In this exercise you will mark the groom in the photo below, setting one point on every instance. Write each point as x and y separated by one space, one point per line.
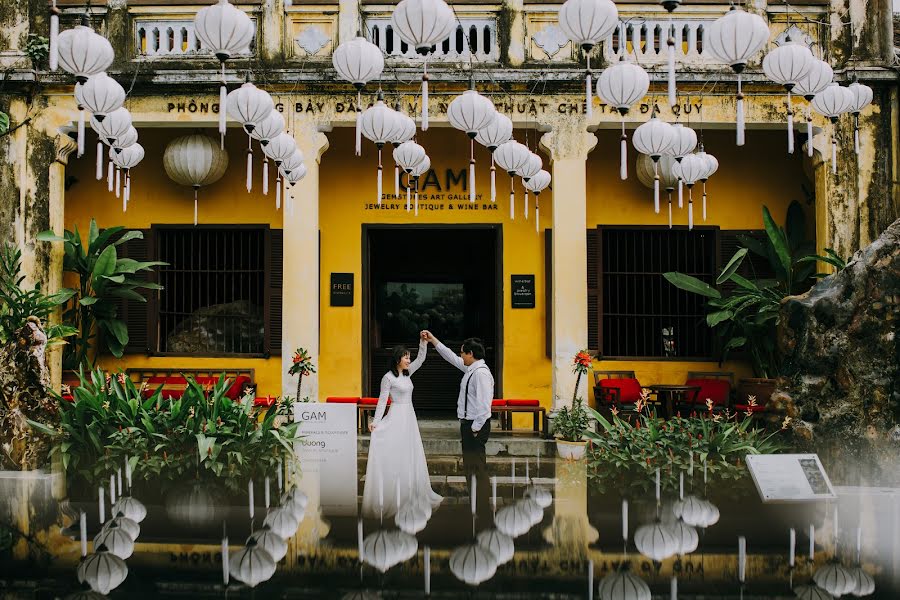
473 405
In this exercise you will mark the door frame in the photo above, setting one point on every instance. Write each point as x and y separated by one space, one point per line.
367 286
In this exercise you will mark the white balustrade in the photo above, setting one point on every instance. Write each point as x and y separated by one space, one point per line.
645 40
472 37
172 38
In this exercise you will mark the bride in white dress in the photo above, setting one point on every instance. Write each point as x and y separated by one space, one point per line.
396 472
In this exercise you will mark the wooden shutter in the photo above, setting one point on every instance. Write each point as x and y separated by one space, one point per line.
593 290
548 291
136 314
275 277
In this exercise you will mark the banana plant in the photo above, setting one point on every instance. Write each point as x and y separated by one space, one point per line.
104 280
746 317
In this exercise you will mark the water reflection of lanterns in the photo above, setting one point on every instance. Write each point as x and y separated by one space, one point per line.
252 564
656 541
271 542
623 585
380 550
127 525
686 537
116 540
132 508
540 495
86 593
412 517
513 520
296 501
102 570
500 545
192 506
811 592
473 564
696 512
282 522
835 579
534 510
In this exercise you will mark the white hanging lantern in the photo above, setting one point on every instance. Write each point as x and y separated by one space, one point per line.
279 149
811 592
406 156
271 542
835 579
358 61
195 160
690 170
125 524
291 179
294 161
656 541
654 138
125 160
100 94
787 64
83 52
252 564
684 142
249 105
499 544
379 123
712 165
405 131
473 564
265 130
423 24
225 31
668 180
536 184
417 171
862 97
295 499
817 79
114 124
587 23
126 140
511 156
535 512
531 167
103 571
117 541
497 132
132 508
734 39
832 102
469 112
623 585
621 86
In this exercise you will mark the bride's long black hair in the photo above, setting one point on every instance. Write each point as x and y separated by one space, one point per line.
399 352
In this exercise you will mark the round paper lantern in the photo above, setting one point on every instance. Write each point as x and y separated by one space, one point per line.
282 522
295 497
473 564
499 544
114 124
83 52
537 184
100 94
497 132
862 97
787 64
513 520
811 592
587 23
125 524
407 545
405 132
417 171
654 138
712 513
621 86
268 128
249 105
252 564
835 579
195 160
530 168
86 593
423 24
511 156
225 31
116 540
127 139
271 542
712 165
656 541
406 156
734 39
469 112
535 512
358 61
130 507
379 123
832 102
102 570
294 161
668 180
691 169
817 79
539 494
125 160
623 585
279 149
684 141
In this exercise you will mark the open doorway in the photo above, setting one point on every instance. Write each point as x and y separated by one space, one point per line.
444 278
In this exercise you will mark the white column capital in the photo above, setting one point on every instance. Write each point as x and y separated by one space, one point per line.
65 146
568 139
310 138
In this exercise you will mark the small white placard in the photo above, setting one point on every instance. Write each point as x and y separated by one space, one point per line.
327 455
789 477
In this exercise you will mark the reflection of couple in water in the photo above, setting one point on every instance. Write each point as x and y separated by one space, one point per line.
396 463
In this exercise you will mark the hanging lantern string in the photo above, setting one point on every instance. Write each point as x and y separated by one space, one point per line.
80 130
99 159
277 188
834 145
407 193
196 187
417 196
740 113
656 184
54 37
690 206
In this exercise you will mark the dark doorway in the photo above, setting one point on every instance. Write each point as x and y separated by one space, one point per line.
441 278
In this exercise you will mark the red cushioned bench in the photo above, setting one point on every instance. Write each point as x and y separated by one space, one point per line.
364 407
619 389
715 386
174 381
504 408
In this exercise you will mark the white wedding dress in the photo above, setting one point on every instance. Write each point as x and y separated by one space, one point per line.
396 471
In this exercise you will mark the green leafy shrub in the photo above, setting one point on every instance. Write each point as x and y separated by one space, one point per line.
569 424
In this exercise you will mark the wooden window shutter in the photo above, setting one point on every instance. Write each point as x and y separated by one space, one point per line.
274 302
136 314
548 291
593 289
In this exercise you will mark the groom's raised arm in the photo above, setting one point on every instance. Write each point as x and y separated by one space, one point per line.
449 355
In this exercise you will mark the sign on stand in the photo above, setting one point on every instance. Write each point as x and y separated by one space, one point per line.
327 455
789 477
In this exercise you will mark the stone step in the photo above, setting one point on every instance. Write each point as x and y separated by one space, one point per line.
455 487
519 446
501 466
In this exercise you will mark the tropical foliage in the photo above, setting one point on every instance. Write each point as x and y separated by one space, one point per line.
104 280
17 303
746 317
301 364
112 421
4 122
569 424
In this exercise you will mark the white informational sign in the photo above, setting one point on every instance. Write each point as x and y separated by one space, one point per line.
789 477
327 455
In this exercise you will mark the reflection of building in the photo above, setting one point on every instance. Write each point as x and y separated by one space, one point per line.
251 283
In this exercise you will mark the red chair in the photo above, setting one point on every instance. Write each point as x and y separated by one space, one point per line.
506 407
619 389
714 385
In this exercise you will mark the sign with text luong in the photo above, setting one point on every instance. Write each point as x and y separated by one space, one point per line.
327 455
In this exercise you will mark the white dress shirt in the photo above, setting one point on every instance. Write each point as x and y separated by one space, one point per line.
481 389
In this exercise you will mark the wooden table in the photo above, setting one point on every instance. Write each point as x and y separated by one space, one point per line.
667 394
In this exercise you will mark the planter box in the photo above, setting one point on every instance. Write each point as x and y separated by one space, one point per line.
570 450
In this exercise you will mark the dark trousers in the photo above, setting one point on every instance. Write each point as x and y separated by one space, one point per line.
475 463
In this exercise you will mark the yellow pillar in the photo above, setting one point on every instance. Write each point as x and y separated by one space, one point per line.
300 289
568 144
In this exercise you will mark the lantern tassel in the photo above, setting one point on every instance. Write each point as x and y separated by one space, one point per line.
225 571
396 180
278 191
680 193
195 205
249 169
358 123
127 200
740 114
54 38
856 133
472 193
109 176
690 209
99 160
416 212
118 182
537 215
512 203
493 181
265 176
223 100
833 155
407 198
809 132
673 588
673 100
125 208
623 155
656 187
704 201
670 210
380 169
425 98
526 204
790 126
589 101
80 132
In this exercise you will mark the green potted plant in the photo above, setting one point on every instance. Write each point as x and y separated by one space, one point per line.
301 364
569 427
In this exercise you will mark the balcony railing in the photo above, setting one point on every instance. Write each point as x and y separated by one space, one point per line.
646 40
475 38
174 38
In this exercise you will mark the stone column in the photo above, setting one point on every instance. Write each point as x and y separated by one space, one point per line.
271 30
348 22
300 291
568 144
513 17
